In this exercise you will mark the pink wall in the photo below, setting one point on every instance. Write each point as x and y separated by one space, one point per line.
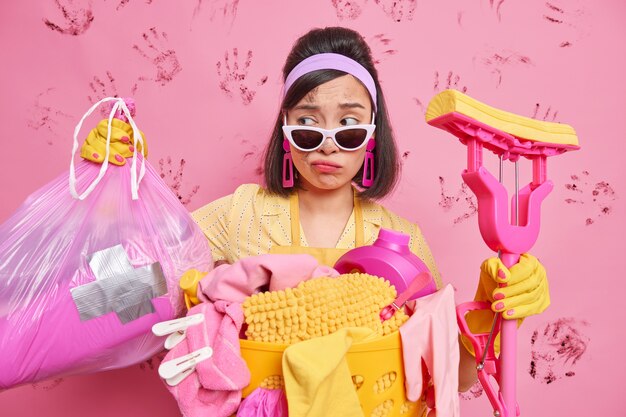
207 122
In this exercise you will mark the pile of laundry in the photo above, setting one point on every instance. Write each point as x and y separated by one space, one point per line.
317 314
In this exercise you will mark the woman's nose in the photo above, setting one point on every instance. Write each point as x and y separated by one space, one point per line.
329 146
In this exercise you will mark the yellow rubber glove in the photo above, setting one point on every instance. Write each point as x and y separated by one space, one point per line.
121 146
526 293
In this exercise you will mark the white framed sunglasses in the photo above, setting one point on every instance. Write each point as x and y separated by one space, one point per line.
310 138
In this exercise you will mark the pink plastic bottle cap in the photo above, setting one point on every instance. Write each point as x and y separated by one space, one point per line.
395 241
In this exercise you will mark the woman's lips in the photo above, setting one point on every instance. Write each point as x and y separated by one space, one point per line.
325 167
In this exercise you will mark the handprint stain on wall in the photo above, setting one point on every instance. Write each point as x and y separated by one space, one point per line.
105 87
156 51
381 49
451 80
443 82
556 15
101 89
224 9
234 78
174 179
76 19
497 62
348 9
404 156
45 118
463 199
459 18
123 3
253 152
496 5
398 10
419 105
597 196
548 115
556 348
571 17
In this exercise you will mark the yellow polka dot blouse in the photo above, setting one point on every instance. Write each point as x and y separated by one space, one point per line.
251 221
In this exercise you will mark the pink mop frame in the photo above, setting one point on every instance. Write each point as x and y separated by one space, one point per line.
501 236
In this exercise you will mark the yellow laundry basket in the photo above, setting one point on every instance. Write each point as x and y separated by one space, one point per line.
376 367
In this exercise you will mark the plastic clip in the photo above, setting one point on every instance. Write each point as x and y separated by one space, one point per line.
174 371
176 329
421 281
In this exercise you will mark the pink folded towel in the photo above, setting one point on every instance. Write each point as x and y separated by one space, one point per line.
237 281
214 389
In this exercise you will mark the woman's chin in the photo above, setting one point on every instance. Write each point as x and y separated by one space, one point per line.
323 184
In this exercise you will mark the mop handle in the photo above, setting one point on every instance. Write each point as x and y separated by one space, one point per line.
508 328
508 353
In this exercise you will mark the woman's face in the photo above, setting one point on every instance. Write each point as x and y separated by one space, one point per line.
343 101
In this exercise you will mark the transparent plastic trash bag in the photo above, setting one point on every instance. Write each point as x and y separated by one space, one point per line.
82 281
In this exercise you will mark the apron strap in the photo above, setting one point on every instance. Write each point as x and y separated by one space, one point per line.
294 213
358 223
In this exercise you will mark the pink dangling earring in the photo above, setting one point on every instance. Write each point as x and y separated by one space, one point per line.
287 166
368 164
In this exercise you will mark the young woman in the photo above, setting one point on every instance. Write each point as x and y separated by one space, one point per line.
330 156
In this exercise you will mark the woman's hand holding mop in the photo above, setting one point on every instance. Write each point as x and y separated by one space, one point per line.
518 292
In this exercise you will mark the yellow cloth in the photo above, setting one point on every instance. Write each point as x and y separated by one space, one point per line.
318 382
251 222
94 147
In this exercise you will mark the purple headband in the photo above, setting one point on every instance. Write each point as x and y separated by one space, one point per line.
336 62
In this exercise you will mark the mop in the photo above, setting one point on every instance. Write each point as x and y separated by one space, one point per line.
509 136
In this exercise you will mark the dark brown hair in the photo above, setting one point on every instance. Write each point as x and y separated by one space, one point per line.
351 44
